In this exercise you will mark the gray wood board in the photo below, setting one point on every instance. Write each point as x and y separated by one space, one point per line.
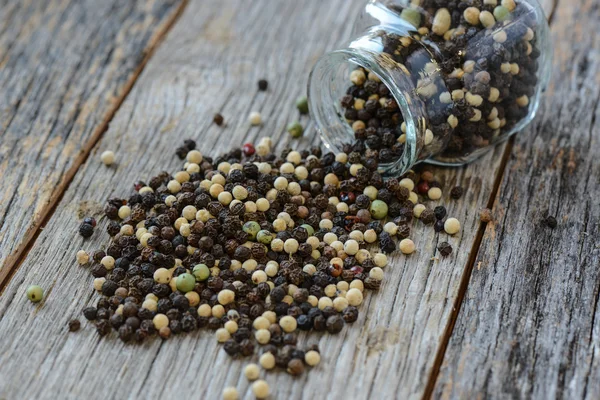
64 68
210 62
528 327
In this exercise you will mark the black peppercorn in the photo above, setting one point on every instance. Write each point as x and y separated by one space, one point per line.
103 327
231 347
74 325
86 230
550 222
334 324
440 212
456 192
246 347
295 367
90 313
445 249
125 333
263 85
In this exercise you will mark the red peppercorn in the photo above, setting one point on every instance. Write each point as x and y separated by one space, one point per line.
356 269
335 270
423 187
248 149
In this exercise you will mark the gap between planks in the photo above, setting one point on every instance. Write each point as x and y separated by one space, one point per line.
466 277
14 261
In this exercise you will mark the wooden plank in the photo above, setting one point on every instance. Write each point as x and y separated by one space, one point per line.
528 327
65 66
210 62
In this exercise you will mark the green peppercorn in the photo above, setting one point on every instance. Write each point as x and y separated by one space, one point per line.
295 129
501 13
201 272
185 282
379 209
302 105
264 236
309 229
251 228
35 293
412 16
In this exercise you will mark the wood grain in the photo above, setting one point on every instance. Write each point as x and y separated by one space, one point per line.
65 66
528 327
211 62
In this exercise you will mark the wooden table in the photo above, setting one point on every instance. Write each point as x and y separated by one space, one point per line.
511 314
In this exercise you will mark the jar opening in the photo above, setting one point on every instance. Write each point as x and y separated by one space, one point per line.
328 83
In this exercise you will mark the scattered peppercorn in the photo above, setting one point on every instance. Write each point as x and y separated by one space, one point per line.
253 246
445 249
550 222
263 85
255 118
248 149
302 105
456 192
485 215
295 129
218 119
74 325
261 389
252 372
86 230
35 293
230 393
107 157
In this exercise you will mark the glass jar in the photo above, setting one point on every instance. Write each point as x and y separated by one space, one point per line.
424 82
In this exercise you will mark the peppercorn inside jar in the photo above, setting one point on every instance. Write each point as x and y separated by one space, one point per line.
430 80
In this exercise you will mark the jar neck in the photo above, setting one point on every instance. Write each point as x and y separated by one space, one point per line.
329 80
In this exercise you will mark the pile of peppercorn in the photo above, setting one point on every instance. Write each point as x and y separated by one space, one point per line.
473 64
256 247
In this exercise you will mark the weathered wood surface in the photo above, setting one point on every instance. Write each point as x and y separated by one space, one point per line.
64 68
528 327
210 62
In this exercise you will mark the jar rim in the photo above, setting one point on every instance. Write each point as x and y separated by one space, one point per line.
401 88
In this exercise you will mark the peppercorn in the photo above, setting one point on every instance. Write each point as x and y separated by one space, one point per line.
246 348
302 104
452 226
295 367
427 217
445 249
35 293
218 119
86 230
103 327
485 215
550 222
263 85
295 129
335 323
107 157
74 325
90 313
252 372
456 192
255 119
230 393
261 389
440 212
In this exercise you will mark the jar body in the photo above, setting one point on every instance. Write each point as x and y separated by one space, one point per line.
428 83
